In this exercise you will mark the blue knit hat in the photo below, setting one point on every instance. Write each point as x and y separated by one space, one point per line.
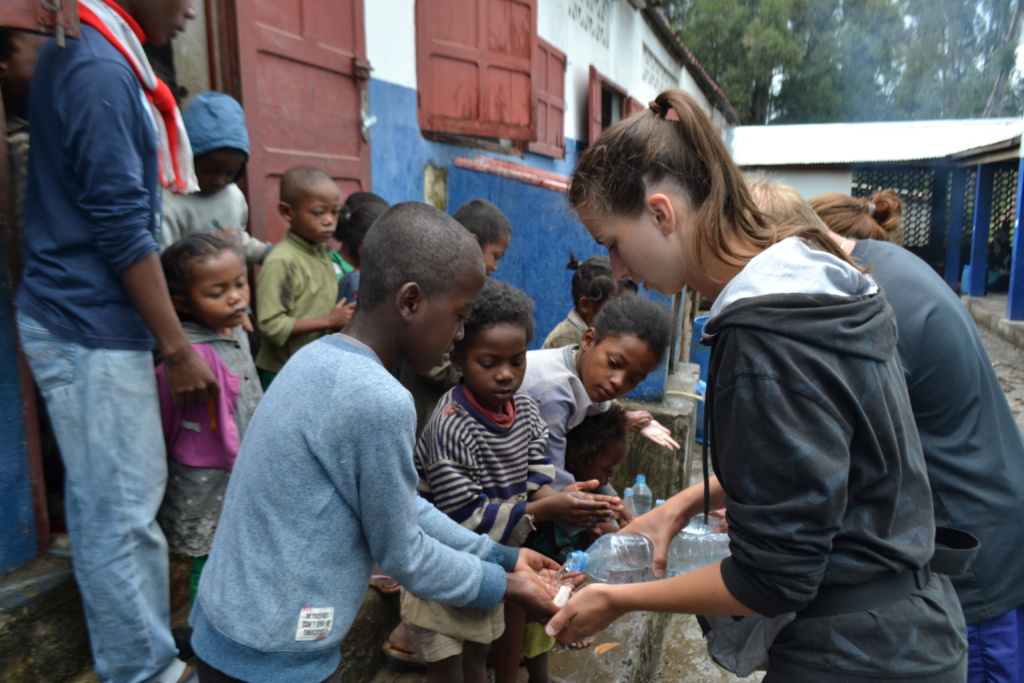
215 120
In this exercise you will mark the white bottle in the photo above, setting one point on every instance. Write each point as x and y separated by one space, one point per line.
642 496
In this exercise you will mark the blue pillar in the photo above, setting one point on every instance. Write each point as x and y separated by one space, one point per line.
957 199
1015 301
979 232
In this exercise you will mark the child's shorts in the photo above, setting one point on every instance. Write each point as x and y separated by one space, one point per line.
437 631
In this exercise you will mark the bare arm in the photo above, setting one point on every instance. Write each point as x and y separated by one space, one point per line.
665 521
700 592
188 376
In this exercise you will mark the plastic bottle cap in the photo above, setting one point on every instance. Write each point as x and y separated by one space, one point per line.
641 479
576 561
659 502
628 492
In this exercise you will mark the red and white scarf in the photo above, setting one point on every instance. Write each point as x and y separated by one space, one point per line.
124 33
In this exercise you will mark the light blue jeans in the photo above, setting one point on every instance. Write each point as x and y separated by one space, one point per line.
106 417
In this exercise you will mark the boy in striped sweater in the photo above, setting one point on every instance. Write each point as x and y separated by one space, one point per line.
481 461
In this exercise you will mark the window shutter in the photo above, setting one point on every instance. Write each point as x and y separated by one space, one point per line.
634 105
594 105
595 99
475 67
550 107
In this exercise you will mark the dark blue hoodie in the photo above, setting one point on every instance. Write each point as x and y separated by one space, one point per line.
93 204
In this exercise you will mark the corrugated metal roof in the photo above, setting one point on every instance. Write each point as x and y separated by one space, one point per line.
847 143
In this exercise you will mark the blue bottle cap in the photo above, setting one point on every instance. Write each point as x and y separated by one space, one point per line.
641 479
659 502
627 491
576 561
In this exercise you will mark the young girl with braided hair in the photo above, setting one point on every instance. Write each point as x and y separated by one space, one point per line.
593 286
811 433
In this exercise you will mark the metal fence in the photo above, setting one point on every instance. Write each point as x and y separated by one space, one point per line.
927 192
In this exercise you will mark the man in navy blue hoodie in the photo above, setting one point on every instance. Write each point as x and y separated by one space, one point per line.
92 306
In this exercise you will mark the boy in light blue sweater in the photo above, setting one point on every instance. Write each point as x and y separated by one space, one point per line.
324 484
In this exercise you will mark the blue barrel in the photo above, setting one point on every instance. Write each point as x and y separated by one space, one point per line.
701 355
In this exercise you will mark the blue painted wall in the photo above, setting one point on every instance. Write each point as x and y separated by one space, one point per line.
544 228
17 519
399 153
544 231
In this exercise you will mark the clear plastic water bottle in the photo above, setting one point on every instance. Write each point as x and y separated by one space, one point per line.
696 546
627 499
642 496
614 558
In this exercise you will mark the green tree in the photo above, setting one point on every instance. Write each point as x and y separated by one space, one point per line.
852 50
745 44
798 61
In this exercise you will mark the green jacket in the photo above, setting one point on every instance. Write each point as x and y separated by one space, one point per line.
296 282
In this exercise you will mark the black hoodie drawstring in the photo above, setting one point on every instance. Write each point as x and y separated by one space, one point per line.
705 446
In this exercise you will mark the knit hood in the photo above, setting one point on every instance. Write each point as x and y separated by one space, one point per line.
800 292
215 120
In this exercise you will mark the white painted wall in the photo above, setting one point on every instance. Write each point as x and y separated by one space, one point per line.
391 40
810 182
561 23
391 48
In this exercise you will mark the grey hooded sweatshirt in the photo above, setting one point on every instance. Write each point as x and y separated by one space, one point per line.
814 443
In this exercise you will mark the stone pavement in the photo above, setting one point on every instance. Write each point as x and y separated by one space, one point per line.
1004 341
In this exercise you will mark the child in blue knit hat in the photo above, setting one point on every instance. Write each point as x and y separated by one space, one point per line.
220 143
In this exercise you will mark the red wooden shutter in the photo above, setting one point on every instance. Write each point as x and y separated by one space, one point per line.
594 106
550 106
303 81
474 66
633 105
598 84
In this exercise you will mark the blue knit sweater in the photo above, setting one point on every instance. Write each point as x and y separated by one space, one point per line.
324 486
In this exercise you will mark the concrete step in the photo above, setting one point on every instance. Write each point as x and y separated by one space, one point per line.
42 627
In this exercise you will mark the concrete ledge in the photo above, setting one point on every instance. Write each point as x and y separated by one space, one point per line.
990 312
667 473
42 627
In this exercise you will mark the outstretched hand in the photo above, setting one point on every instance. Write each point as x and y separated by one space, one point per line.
589 611
655 432
531 560
589 510
531 592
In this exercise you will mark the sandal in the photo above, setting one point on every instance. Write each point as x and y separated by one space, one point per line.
384 584
402 656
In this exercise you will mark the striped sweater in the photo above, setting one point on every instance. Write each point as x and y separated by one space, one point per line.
479 473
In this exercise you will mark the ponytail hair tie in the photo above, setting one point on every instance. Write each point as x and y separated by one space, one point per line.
871 209
657 108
